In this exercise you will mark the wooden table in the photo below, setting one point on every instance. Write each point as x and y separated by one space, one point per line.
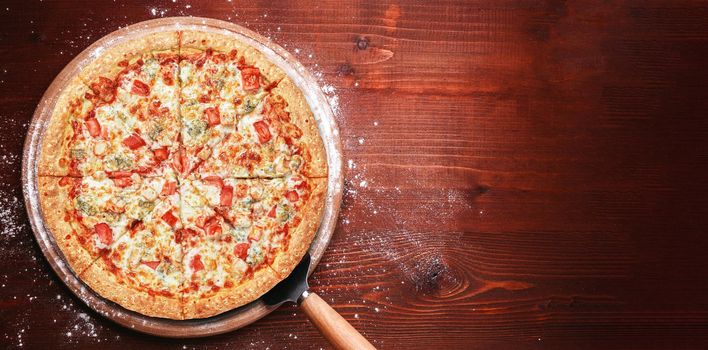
522 174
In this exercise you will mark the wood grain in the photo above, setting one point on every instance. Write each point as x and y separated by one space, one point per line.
525 174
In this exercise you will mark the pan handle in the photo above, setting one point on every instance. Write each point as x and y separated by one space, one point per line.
331 324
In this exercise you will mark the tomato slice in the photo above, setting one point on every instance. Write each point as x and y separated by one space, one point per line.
66 181
94 128
104 232
214 180
241 190
137 225
170 218
286 230
241 250
271 213
213 117
140 88
134 141
211 221
301 185
184 234
167 78
113 174
200 59
272 85
213 229
292 196
151 264
105 88
122 181
262 130
161 154
169 188
180 161
196 263
177 161
251 77
227 194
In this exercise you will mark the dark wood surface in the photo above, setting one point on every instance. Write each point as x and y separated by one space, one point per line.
525 174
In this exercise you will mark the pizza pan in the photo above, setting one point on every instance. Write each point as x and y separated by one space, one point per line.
227 321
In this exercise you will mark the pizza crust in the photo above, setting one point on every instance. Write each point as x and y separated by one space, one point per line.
303 118
54 202
106 65
229 298
200 41
301 237
58 133
99 277
196 41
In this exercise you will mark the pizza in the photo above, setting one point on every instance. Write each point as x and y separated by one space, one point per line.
182 174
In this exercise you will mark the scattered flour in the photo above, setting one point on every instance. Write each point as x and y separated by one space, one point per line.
158 12
12 220
328 89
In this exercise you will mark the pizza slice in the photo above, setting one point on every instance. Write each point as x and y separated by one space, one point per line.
142 270
86 136
277 216
149 90
139 82
274 139
233 125
221 271
87 215
207 119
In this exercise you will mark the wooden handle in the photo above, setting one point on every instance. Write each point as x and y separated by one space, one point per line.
332 325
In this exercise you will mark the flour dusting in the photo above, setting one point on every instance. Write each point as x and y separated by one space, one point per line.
12 221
